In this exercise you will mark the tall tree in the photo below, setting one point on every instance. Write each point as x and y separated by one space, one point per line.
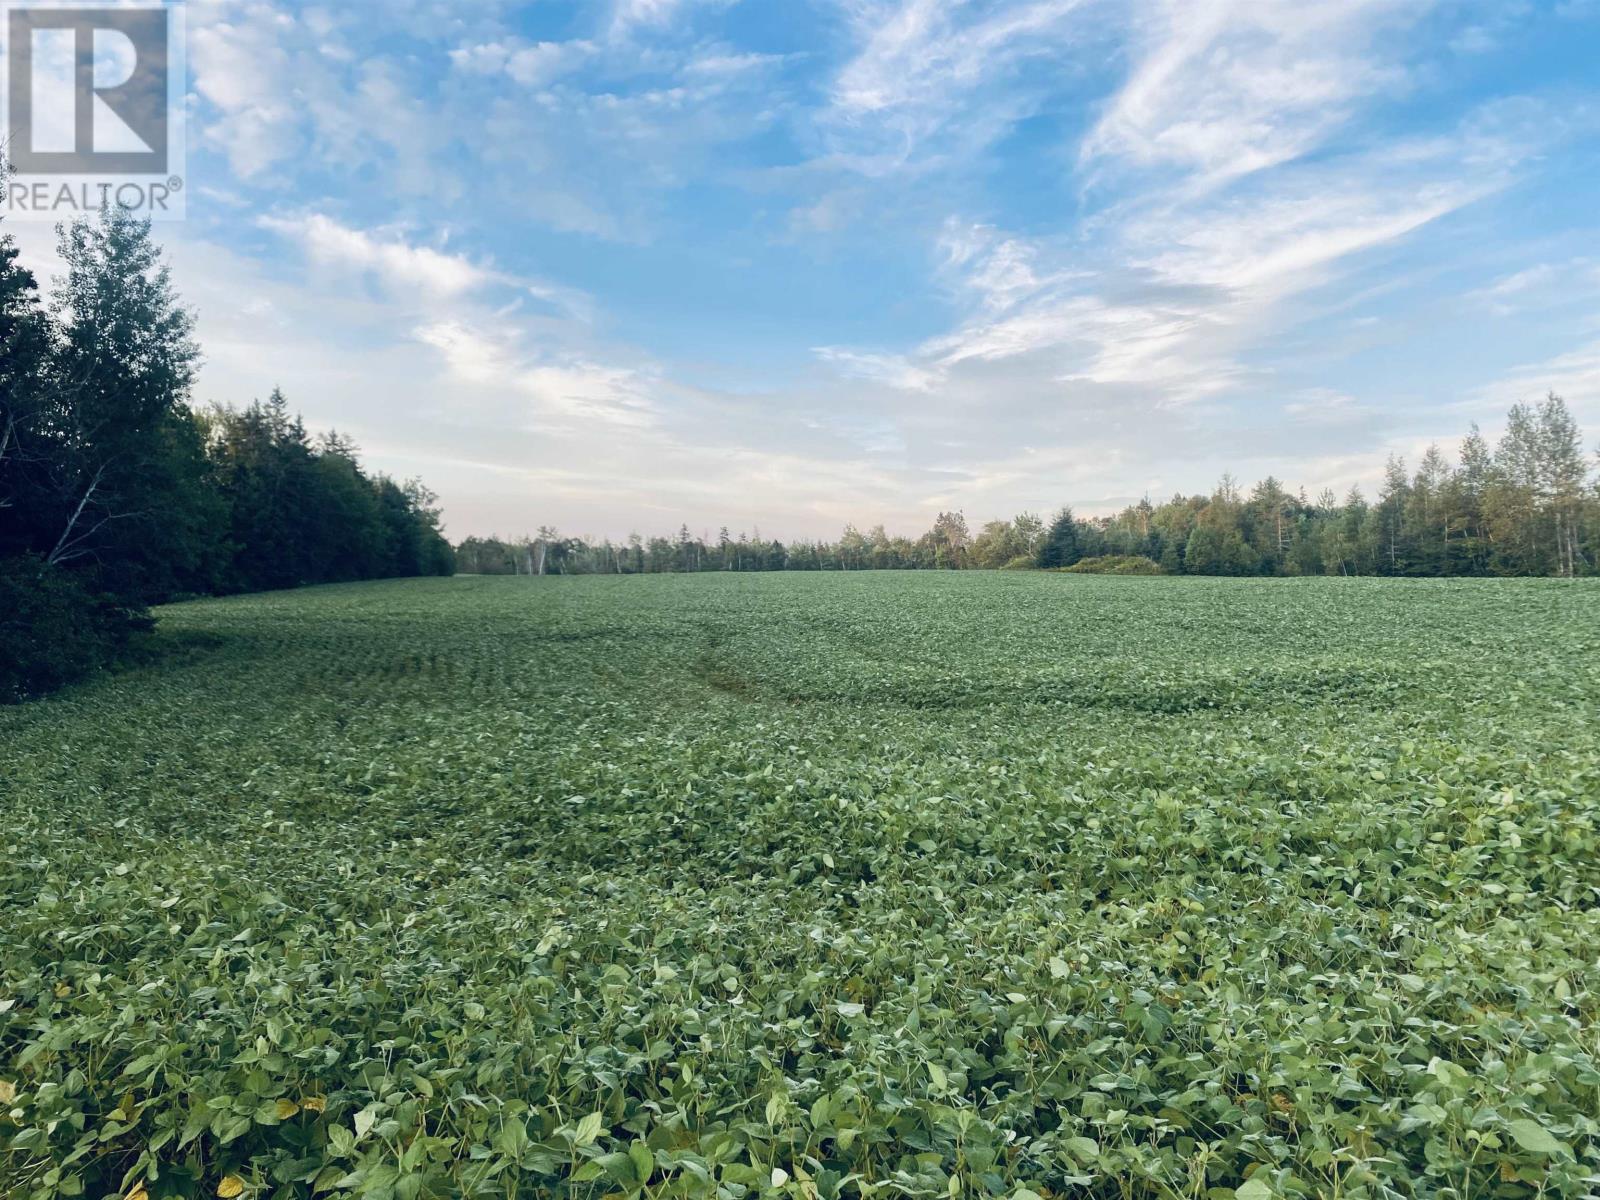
1272 524
28 419
1060 546
1562 476
133 475
949 540
1427 521
1391 515
1468 487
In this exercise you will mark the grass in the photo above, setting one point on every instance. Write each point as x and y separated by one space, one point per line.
817 885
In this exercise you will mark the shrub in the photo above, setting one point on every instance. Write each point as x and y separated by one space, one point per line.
1116 564
53 629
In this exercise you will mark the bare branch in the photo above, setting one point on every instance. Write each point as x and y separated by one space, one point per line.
67 539
6 438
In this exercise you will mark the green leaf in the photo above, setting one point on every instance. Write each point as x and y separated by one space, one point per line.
619 1167
1535 1138
588 1130
821 1110
512 1140
644 1162
1255 1188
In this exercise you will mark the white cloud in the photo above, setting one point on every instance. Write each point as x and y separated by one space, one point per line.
532 65
1278 244
631 13
1224 88
1159 330
1166 297
397 263
936 81
1573 375
631 17
281 87
1326 406
592 391
470 354
719 62
240 60
1475 39
1180 295
919 54
1545 285
895 370
1504 295
564 386
422 276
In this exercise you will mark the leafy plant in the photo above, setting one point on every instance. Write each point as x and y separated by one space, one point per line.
1116 564
818 886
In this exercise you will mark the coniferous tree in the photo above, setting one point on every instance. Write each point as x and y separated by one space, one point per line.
26 398
1060 547
1390 517
115 494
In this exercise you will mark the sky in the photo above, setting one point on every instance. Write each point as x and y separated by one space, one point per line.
780 265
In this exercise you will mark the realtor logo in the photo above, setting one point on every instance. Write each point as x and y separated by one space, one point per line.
94 107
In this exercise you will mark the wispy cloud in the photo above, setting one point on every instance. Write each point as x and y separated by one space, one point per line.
1174 296
562 386
923 54
533 65
1224 88
423 275
895 370
396 262
1573 374
940 80
873 256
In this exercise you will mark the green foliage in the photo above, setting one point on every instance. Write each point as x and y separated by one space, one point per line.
306 513
815 886
1060 546
53 630
1116 564
115 494
1529 507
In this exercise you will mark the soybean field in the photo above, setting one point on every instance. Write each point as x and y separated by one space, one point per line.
818 886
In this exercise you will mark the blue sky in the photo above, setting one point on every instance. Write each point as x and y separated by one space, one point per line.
633 263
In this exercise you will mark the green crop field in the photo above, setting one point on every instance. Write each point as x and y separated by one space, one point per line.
824 886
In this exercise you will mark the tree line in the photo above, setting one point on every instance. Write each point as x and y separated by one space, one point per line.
116 494
1529 505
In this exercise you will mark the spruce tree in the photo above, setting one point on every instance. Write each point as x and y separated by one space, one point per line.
1060 547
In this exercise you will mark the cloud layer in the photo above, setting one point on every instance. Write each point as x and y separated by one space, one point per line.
662 261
